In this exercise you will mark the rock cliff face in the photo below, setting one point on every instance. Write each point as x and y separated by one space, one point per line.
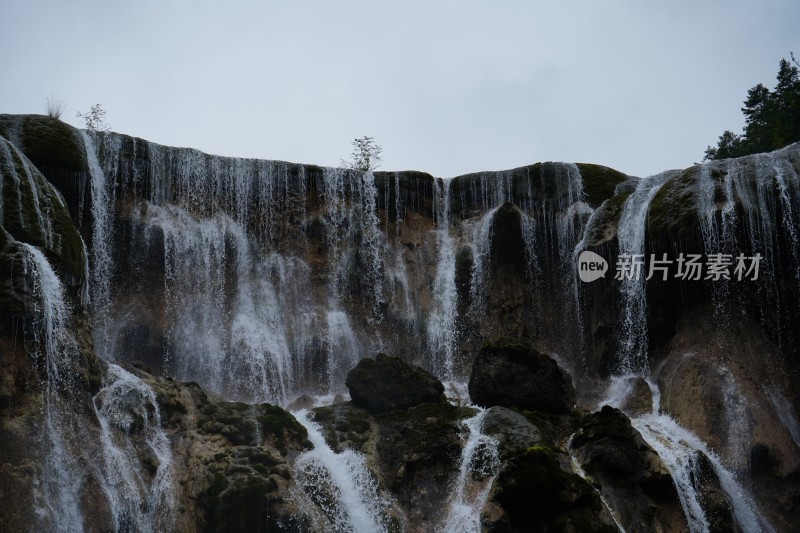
144 370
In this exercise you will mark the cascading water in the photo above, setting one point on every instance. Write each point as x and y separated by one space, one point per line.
341 485
630 235
750 205
442 333
274 277
481 247
60 481
248 322
479 465
130 423
680 449
100 258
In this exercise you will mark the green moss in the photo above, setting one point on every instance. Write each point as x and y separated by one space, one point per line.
673 210
599 182
242 505
52 144
606 220
538 495
21 220
344 425
281 428
426 435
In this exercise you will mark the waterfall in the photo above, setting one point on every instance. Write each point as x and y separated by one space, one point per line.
630 235
786 413
231 329
100 281
750 205
343 349
130 423
60 481
14 164
679 449
341 485
479 465
442 332
481 248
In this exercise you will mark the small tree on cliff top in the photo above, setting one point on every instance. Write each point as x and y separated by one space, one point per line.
95 118
366 155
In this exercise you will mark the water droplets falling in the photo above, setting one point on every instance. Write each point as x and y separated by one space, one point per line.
341 485
478 467
130 425
631 236
680 450
58 498
442 332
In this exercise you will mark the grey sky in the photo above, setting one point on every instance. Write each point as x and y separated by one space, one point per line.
446 87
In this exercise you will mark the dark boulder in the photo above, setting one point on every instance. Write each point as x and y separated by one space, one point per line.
512 374
389 383
632 476
537 494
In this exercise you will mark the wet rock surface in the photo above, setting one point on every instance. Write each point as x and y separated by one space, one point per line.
388 383
511 374
631 474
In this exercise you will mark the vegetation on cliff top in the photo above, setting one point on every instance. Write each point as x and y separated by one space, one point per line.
772 118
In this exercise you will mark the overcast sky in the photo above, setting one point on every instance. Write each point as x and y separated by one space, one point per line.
446 87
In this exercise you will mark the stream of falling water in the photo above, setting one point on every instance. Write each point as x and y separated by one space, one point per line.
59 485
478 468
130 424
630 235
679 448
442 333
341 485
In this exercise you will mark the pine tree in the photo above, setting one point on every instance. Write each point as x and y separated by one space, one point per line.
772 118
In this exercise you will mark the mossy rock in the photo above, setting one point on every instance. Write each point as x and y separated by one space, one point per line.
388 383
280 428
417 452
538 495
20 219
344 425
605 222
510 373
424 437
52 144
673 211
241 504
599 182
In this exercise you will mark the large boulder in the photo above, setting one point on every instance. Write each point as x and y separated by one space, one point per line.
632 476
389 383
536 494
512 374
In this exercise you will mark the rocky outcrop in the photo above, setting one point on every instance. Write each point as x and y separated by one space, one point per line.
510 374
536 494
231 461
629 472
389 383
47 362
413 452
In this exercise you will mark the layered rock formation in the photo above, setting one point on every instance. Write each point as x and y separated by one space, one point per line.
262 281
